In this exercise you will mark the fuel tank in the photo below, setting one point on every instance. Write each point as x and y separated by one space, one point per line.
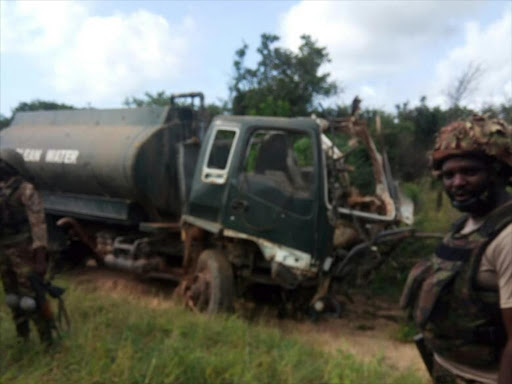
121 156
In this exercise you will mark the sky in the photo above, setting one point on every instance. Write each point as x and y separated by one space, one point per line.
97 53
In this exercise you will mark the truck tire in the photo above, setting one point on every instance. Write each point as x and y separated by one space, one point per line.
211 287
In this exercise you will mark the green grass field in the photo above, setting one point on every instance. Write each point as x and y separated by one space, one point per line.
124 341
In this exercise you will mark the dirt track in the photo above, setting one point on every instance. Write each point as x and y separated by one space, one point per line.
364 328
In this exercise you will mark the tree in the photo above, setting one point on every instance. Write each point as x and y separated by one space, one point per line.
4 121
283 83
413 135
40 105
34 105
464 85
163 99
502 111
159 99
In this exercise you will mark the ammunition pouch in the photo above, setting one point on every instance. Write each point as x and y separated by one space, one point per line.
28 304
25 303
12 300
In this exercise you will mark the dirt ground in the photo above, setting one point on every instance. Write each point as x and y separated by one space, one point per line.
365 328
365 338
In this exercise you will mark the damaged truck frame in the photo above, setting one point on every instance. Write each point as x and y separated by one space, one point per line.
249 201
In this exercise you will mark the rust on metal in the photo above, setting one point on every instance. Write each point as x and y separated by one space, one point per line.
193 239
381 203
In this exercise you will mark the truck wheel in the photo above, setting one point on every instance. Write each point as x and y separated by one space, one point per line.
210 289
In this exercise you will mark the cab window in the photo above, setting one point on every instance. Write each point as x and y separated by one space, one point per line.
279 169
219 156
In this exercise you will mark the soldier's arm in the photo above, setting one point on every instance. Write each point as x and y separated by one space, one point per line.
501 250
35 213
505 376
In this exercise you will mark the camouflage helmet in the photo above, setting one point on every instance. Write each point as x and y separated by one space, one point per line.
14 160
478 136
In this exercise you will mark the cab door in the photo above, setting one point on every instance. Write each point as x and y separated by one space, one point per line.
273 196
210 184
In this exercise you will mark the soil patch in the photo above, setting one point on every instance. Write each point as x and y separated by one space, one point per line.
124 285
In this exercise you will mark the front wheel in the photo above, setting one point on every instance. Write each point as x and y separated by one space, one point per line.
210 288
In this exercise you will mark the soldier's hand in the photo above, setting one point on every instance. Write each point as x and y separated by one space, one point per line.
39 257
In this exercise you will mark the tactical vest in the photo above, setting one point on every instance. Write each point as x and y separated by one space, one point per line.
14 224
460 320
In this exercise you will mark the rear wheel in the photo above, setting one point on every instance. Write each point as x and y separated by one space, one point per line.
210 289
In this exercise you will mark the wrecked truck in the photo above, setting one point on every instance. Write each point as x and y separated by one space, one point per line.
248 201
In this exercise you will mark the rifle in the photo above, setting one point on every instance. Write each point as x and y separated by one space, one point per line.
40 288
425 352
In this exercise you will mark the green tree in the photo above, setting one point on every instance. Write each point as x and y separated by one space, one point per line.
283 83
34 105
502 111
163 99
40 105
159 99
413 135
4 121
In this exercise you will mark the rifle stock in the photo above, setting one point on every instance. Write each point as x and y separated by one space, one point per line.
425 352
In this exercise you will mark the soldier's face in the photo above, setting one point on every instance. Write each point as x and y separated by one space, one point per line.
464 178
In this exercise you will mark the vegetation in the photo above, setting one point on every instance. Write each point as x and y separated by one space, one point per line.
34 105
283 83
160 98
287 83
115 340
430 216
4 121
38 105
163 99
121 341
406 332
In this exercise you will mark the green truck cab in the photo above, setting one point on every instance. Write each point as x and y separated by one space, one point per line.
260 210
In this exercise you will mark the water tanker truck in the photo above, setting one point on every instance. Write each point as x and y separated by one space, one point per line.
248 201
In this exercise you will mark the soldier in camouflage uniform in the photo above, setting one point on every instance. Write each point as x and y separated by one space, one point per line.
461 298
23 244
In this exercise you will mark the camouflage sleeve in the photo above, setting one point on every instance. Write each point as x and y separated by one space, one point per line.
35 213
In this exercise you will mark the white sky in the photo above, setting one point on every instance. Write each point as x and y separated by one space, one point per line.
96 53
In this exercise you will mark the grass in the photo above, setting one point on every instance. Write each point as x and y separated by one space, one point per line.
433 211
120 341
405 332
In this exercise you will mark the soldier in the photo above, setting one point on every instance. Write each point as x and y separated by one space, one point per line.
461 298
23 244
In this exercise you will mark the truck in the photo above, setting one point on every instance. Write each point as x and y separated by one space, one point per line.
243 202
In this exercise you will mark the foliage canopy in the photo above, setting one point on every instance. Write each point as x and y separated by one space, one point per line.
283 83
34 105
